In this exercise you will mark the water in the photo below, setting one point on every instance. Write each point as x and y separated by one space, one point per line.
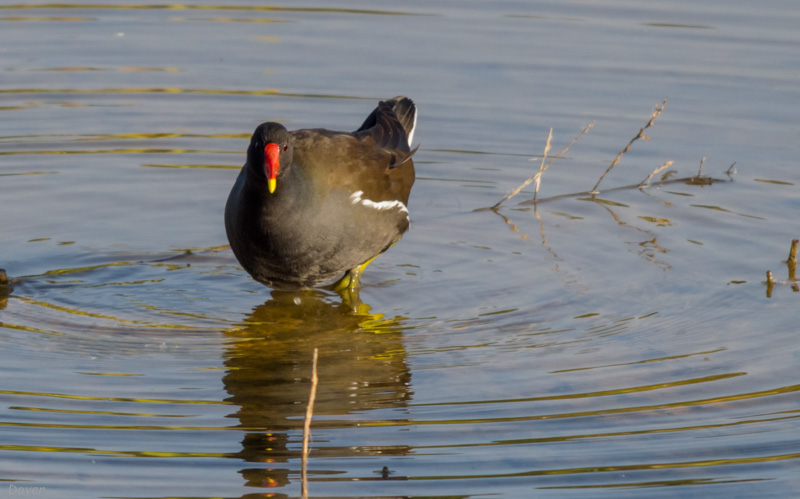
621 346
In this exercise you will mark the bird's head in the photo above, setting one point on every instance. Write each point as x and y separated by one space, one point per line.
270 152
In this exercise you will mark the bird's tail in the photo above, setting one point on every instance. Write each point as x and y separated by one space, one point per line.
405 111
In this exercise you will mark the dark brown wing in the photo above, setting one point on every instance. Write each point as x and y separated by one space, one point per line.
375 159
337 160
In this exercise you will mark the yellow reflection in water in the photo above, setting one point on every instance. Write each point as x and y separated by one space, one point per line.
719 208
89 137
600 412
87 450
111 399
229 19
362 367
626 467
678 25
646 361
134 69
604 201
656 220
776 182
184 6
94 315
29 329
601 393
132 150
25 173
635 467
209 166
72 69
104 413
33 18
174 90
124 69
103 284
565 438
107 374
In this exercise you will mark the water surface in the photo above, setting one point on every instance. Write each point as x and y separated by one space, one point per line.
620 345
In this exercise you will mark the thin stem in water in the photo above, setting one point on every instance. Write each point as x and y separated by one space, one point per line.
627 148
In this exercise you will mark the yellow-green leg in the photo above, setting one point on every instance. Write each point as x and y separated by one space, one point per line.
352 278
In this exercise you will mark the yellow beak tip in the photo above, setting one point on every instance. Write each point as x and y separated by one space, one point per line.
272 184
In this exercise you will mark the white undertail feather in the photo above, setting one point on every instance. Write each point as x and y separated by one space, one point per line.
413 127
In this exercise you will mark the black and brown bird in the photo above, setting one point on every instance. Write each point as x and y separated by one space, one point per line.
311 204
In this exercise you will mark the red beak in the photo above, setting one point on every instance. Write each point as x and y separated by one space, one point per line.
272 161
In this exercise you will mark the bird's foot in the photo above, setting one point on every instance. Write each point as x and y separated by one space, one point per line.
348 286
349 282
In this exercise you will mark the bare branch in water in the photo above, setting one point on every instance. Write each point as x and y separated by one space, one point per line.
793 252
627 148
537 176
534 177
792 261
770 283
644 182
700 170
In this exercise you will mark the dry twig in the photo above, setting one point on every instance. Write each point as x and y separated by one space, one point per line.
638 136
537 176
644 182
770 283
791 263
307 426
700 170
793 252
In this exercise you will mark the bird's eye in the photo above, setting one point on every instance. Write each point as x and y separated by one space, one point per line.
285 147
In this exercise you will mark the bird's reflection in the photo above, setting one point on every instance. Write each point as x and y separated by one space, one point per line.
362 366
6 286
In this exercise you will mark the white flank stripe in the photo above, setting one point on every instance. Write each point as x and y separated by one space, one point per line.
356 198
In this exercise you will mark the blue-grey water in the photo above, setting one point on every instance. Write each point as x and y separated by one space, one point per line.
621 345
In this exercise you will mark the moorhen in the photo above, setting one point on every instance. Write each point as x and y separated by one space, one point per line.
313 203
